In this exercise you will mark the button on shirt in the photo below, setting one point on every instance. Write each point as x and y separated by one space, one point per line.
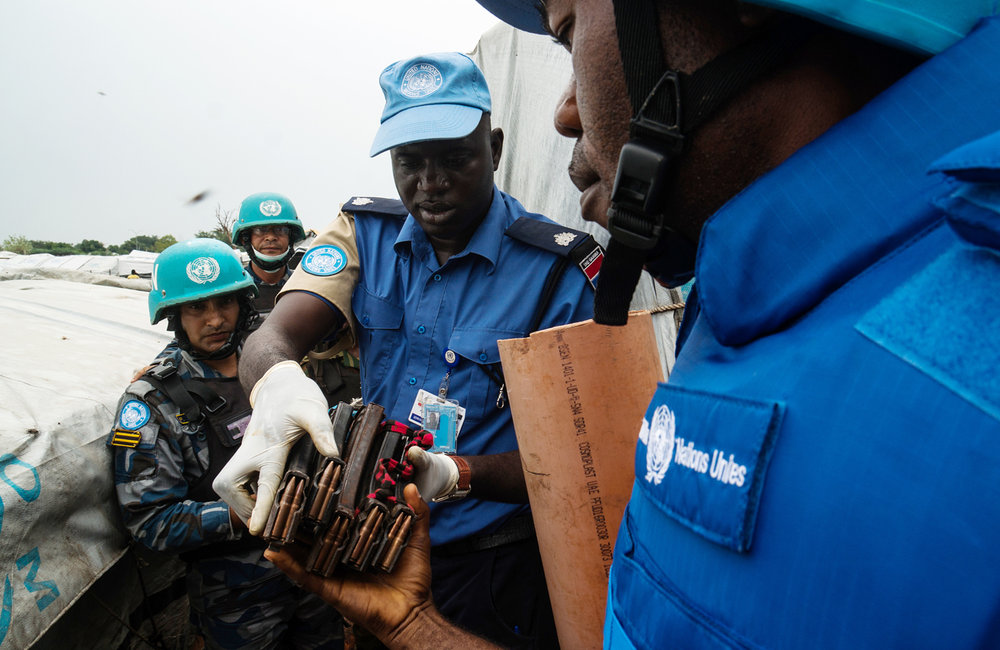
408 309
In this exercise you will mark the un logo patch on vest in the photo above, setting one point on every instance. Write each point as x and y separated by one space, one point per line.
702 459
659 443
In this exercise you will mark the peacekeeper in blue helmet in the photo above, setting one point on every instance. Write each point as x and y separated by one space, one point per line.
268 229
175 428
822 468
427 286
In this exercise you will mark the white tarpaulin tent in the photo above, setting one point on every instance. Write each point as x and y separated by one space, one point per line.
116 265
69 350
139 261
526 74
103 264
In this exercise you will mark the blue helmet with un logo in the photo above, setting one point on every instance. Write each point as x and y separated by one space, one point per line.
194 270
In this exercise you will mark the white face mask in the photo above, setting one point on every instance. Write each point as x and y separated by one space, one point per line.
270 258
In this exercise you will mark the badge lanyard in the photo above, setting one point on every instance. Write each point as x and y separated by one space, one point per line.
441 417
450 360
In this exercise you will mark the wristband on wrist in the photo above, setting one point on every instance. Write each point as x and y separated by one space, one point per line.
462 485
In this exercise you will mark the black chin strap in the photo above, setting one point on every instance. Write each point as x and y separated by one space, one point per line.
668 106
247 322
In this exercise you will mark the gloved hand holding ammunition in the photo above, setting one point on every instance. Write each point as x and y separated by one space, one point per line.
436 475
286 405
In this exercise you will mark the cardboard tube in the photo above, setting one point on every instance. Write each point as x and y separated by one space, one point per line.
578 394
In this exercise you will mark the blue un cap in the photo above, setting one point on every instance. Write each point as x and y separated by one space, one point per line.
431 97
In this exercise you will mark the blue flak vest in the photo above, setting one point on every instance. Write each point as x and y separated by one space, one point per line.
823 468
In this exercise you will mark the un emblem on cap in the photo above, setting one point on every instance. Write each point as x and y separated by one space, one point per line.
270 208
202 270
420 80
324 260
660 444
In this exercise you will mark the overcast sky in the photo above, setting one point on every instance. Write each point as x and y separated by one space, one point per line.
114 113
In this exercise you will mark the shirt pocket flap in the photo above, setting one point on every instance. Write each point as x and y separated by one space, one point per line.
479 345
374 312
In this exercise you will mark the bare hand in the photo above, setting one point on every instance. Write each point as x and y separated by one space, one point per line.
382 603
141 371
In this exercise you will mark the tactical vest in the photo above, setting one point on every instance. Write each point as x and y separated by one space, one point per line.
338 382
266 295
220 409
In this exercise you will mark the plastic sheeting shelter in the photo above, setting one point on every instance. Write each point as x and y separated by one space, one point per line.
120 265
106 265
140 261
69 349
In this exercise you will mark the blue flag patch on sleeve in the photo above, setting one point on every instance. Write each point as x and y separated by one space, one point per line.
133 416
324 260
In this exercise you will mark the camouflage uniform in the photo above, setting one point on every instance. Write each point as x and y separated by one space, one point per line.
238 599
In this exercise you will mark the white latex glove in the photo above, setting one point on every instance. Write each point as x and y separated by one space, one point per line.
286 404
436 475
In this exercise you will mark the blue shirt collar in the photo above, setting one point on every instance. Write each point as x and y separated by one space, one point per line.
839 204
485 241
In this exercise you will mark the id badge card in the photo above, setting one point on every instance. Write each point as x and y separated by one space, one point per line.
445 423
442 420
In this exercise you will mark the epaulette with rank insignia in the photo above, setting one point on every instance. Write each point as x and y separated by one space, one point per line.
570 245
376 205
581 248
